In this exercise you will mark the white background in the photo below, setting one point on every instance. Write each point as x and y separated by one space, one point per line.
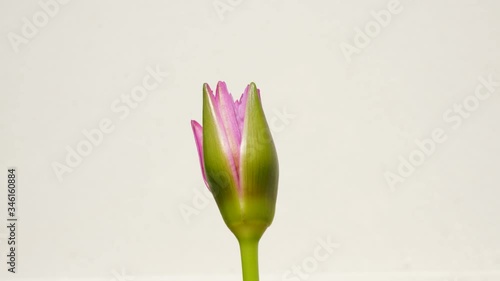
350 119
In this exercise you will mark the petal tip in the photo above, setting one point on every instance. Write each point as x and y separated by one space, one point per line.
221 91
195 124
253 90
206 89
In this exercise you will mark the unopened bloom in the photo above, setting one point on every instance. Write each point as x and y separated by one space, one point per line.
238 159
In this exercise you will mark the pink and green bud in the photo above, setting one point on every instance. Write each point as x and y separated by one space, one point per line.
238 159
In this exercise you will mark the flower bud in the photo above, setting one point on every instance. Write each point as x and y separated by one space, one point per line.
238 159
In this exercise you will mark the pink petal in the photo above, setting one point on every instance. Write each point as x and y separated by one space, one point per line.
241 106
215 102
228 117
198 138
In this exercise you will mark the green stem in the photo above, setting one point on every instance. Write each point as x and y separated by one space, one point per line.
250 258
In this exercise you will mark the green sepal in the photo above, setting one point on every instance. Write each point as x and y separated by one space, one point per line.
259 171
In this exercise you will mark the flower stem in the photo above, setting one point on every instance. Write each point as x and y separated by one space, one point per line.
249 258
